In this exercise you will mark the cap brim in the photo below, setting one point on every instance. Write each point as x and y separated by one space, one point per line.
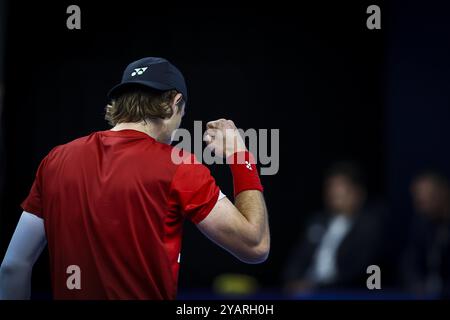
147 84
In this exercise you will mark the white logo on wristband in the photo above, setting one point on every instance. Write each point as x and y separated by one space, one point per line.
248 165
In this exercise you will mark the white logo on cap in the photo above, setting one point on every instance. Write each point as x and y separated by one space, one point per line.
138 71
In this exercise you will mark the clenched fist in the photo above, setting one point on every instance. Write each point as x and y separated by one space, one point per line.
223 137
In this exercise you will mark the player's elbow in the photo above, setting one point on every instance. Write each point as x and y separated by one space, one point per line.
256 254
15 277
6 269
11 266
260 254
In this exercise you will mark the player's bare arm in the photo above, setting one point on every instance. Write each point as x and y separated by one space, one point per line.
242 228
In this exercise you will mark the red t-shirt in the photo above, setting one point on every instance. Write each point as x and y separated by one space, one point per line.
113 204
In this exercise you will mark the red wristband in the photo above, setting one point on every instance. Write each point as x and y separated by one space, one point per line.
244 171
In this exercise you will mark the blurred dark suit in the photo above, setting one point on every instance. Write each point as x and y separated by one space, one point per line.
359 248
426 262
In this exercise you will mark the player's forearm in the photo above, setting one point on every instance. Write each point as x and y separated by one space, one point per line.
249 200
250 229
255 233
15 281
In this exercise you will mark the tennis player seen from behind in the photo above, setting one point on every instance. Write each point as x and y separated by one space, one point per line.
111 205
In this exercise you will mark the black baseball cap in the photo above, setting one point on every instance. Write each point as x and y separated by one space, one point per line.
151 72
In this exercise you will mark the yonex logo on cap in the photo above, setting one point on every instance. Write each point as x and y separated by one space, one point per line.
154 73
138 71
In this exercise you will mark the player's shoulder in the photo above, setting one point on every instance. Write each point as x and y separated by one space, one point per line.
73 144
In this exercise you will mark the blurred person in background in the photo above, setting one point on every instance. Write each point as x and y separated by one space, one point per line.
339 243
426 262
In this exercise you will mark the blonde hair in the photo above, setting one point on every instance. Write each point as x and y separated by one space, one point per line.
138 104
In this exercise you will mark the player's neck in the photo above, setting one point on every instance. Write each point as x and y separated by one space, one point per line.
149 128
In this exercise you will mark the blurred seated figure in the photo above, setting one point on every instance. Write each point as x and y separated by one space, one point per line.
339 243
426 263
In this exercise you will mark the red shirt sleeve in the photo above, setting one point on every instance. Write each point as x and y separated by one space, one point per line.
33 203
194 191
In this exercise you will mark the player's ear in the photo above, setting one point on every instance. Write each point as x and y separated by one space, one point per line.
177 99
178 103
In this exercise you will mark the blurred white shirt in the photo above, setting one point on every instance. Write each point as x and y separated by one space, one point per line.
324 264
